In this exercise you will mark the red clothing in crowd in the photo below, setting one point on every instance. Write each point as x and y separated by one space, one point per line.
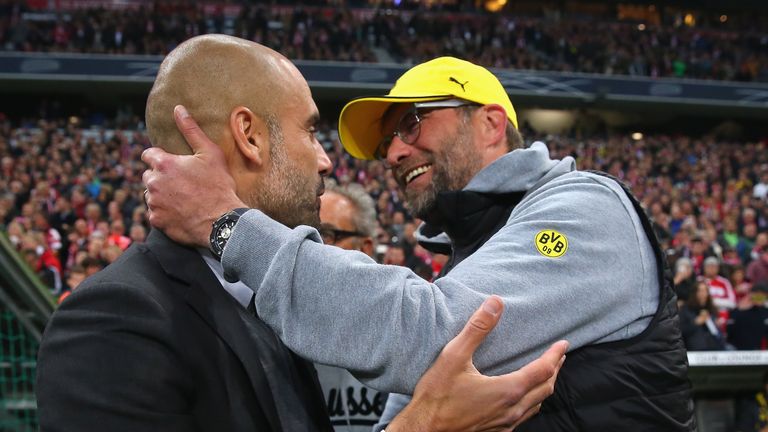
120 240
722 293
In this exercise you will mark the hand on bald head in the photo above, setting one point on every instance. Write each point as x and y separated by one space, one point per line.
212 75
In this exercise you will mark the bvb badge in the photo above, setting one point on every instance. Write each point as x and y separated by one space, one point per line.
551 243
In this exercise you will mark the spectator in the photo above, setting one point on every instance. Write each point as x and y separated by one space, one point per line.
741 287
685 280
42 261
348 218
52 236
75 277
761 241
720 288
697 316
15 233
757 271
697 252
117 234
760 191
395 255
92 265
747 243
748 324
138 233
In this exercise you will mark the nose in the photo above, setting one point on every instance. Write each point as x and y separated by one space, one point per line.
324 165
398 150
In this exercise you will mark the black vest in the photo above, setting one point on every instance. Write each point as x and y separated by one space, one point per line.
637 384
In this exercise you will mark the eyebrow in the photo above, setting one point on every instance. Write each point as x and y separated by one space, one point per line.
388 112
313 120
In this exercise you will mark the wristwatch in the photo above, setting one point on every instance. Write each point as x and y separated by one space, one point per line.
222 230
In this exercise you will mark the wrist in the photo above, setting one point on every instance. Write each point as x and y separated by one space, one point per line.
204 231
410 420
221 230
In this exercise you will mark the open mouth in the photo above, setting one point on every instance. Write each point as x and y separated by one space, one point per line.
413 174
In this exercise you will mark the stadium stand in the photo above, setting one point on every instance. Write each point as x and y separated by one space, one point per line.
640 43
72 196
70 141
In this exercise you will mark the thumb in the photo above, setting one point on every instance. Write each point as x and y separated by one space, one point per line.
480 324
195 137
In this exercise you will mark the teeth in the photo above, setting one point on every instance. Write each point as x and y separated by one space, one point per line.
417 172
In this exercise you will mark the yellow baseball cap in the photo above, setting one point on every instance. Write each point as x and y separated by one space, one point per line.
441 78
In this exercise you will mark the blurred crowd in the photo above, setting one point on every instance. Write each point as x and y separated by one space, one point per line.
602 47
573 44
156 28
708 199
71 201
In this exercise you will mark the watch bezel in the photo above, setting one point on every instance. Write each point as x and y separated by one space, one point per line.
217 242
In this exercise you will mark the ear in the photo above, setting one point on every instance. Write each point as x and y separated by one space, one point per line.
250 134
492 127
367 247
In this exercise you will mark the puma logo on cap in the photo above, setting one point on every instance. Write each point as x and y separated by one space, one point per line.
452 79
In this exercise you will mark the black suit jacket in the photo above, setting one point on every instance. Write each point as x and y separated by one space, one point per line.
154 343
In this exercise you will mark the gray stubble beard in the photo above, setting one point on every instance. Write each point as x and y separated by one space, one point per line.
451 171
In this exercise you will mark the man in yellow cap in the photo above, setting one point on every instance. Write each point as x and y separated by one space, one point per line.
571 253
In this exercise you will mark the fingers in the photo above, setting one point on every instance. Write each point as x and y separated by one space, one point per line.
153 157
528 414
545 366
480 324
188 127
530 403
532 384
147 177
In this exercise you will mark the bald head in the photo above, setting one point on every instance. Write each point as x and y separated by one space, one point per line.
211 75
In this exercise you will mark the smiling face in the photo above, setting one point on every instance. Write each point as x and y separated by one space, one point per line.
443 157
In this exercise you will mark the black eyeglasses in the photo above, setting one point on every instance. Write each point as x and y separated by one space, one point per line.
408 127
332 235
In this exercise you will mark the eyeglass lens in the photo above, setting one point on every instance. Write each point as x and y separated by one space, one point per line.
407 129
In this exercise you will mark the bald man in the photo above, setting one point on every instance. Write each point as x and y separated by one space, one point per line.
162 341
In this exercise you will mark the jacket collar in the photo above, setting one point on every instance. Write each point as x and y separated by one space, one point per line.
462 217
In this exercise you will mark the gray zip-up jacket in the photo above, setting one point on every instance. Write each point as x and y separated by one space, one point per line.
387 325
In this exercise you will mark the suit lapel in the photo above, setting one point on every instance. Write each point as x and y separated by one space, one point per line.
222 313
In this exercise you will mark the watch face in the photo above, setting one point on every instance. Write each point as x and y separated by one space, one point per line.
222 235
222 230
